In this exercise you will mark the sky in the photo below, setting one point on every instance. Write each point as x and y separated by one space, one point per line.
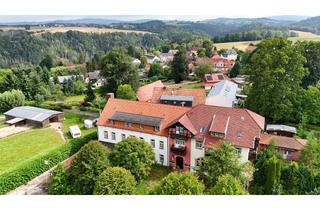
165 9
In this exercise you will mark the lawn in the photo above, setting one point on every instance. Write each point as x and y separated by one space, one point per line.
2 122
157 173
74 99
17 149
191 86
75 119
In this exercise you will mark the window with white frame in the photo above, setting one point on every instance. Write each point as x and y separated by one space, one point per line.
123 136
198 144
238 151
161 159
106 134
153 143
156 128
198 161
179 142
161 145
113 136
179 129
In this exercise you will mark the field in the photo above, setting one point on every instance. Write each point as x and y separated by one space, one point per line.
302 36
17 149
39 30
157 173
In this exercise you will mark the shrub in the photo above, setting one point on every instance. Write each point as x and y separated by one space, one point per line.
135 155
24 173
10 99
228 185
180 184
115 181
88 164
59 183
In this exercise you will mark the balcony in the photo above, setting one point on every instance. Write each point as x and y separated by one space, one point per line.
179 149
175 134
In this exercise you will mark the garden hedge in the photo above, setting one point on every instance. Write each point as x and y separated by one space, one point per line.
23 174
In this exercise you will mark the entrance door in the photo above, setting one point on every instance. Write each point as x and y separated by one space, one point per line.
179 162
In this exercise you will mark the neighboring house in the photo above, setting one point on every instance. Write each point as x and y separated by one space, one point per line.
64 79
289 147
95 78
281 130
205 126
240 80
166 57
230 54
210 79
145 92
218 63
33 116
136 61
152 58
146 121
223 94
179 97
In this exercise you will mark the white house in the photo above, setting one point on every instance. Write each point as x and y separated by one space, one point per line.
146 121
230 54
222 94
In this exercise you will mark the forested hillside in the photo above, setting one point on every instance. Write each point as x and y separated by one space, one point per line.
74 47
310 25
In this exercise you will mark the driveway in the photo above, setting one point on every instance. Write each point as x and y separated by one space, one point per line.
7 131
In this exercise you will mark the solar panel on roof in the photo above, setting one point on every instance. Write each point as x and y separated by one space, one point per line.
220 77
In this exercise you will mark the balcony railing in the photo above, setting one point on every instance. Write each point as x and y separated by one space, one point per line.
179 149
179 134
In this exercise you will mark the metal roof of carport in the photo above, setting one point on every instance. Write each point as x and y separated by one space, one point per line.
14 120
31 113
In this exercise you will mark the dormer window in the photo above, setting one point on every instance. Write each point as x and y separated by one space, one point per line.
128 124
216 134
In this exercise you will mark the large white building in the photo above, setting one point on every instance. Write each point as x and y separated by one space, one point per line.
222 94
146 121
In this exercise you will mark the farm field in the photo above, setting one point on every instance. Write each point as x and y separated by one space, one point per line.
302 36
39 30
20 148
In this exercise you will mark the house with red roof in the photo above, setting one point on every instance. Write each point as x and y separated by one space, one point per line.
210 80
289 147
145 92
180 136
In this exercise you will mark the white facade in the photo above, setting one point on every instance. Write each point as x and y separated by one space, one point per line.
197 153
115 135
222 94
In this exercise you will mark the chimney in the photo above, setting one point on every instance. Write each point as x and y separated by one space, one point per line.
109 95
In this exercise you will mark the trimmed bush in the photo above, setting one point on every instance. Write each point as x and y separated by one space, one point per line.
228 185
135 155
180 184
59 183
115 181
26 172
87 165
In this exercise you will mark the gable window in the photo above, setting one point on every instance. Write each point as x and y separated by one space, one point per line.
153 143
156 128
161 159
161 145
123 136
239 134
179 129
127 124
106 134
113 136
141 126
198 144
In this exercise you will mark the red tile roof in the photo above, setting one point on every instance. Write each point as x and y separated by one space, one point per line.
219 123
283 141
199 95
145 92
167 112
240 130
